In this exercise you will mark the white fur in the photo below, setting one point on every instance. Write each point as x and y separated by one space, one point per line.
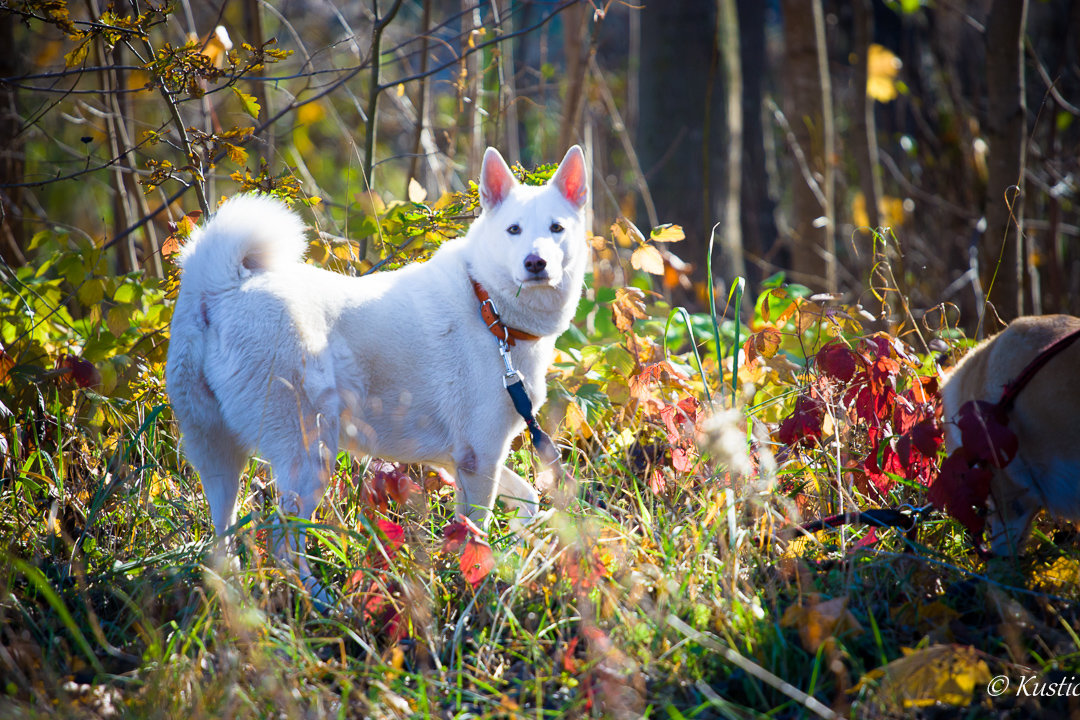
272 355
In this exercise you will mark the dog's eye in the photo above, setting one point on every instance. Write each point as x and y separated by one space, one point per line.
514 229
556 227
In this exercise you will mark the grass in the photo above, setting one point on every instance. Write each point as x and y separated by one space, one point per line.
631 600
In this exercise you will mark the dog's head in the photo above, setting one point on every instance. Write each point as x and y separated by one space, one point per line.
535 235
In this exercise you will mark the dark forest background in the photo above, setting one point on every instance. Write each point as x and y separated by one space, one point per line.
793 127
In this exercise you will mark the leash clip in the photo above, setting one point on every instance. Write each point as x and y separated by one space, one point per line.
511 373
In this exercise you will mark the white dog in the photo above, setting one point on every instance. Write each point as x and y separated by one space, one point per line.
1045 472
272 355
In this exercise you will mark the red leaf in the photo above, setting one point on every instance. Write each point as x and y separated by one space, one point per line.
689 407
400 486
882 473
905 414
394 533
924 389
985 433
805 422
477 561
454 536
667 414
962 491
870 538
927 436
456 533
657 481
82 371
681 458
583 569
877 346
569 665
837 361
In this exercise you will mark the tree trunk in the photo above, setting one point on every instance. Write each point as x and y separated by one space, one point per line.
576 50
730 227
1006 127
11 153
864 128
679 139
757 207
809 109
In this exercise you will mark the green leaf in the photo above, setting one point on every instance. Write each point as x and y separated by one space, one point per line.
251 107
91 292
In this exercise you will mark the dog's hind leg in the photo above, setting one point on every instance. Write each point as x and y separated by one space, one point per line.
219 459
302 468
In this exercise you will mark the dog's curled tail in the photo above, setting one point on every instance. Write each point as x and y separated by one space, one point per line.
248 234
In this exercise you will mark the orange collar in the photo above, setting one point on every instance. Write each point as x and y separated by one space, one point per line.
494 324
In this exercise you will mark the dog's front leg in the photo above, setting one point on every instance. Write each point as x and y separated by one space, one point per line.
1012 509
477 479
518 494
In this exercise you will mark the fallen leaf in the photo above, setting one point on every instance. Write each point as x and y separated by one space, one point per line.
818 621
939 674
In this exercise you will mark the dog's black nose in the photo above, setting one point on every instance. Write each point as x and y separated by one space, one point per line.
535 264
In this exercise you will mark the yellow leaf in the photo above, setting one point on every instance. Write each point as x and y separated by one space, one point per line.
1062 573
217 46
648 259
891 210
78 55
310 113
882 69
370 203
767 342
236 153
859 216
629 304
575 421
186 224
417 193
626 234
667 233
818 621
251 107
945 674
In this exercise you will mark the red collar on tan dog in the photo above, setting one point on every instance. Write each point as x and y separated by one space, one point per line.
491 316
962 487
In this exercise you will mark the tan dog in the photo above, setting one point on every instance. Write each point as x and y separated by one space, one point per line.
1045 473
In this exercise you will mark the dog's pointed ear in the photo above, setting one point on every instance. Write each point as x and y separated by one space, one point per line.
496 180
570 178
